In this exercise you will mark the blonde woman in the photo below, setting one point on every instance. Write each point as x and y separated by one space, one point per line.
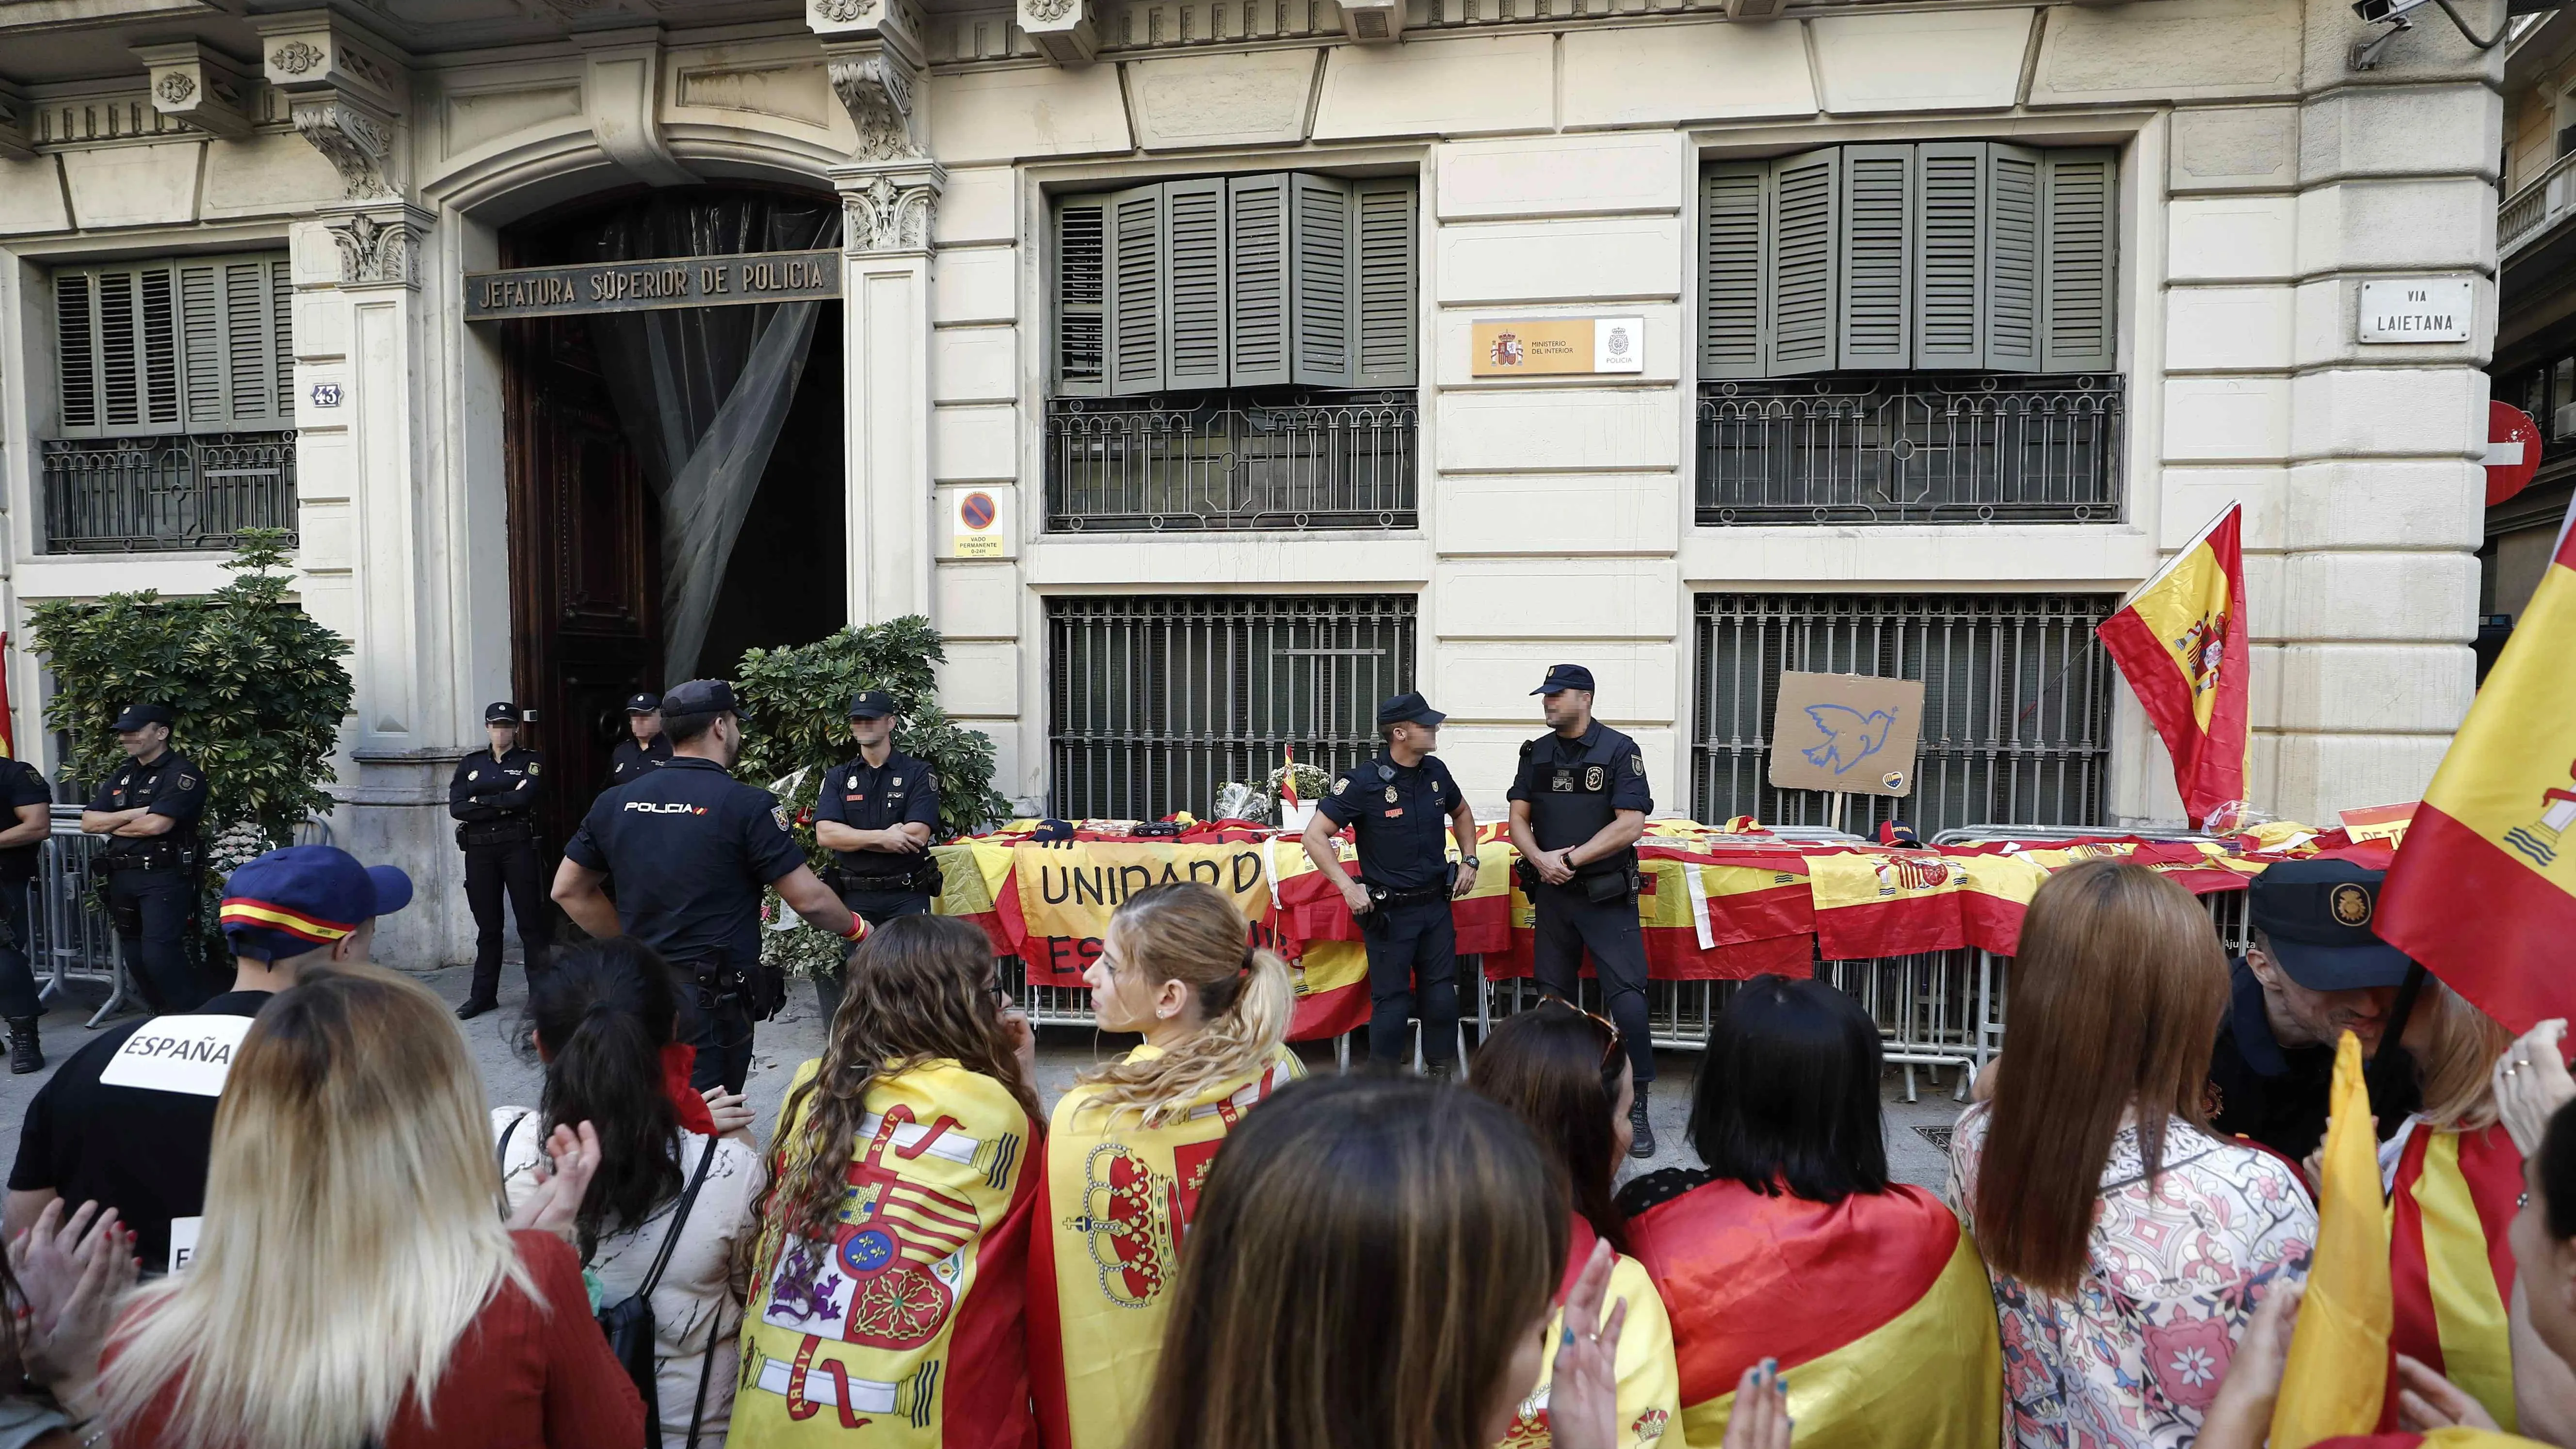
893 1262
1131 1144
354 1283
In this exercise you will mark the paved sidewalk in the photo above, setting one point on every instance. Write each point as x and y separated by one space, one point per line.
513 1076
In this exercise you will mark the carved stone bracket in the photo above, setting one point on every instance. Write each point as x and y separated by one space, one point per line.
199 86
358 143
377 248
1061 28
17 140
876 85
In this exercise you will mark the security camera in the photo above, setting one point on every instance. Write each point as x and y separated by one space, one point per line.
2374 11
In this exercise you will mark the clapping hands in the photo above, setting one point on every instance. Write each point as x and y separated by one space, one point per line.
73 1272
564 1171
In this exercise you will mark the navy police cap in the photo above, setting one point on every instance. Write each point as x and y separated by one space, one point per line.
700 696
136 716
1562 677
871 704
1408 708
2317 914
500 711
644 703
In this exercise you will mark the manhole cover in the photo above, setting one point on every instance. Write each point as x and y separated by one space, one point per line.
1938 1136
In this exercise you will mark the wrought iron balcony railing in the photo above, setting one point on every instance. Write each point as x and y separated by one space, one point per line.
1910 448
1234 461
2529 213
135 495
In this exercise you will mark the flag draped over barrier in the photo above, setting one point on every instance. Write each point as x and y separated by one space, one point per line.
2180 642
2495 826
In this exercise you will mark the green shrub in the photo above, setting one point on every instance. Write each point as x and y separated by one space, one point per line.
256 687
799 699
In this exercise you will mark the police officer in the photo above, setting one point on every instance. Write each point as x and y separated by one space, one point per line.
878 813
645 746
2314 971
148 809
690 848
1579 803
26 806
1403 808
493 796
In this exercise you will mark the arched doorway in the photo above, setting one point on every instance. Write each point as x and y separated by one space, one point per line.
675 478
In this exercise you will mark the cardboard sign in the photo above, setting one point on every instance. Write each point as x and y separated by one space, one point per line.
1846 732
1538 346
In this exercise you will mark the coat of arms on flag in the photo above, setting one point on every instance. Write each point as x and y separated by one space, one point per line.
2180 642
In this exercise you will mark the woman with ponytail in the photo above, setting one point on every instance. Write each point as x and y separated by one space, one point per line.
1131 1144
892 1270
606 1031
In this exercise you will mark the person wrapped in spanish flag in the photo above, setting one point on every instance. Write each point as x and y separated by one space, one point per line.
887 1302
1793 1245
1564 1073
1131 1145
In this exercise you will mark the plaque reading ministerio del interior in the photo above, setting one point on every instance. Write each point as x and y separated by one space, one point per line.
1558 346
646 285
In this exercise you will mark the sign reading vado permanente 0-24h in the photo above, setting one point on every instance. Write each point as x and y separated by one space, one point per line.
643 286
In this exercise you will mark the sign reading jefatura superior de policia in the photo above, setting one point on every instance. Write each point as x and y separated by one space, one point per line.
644 286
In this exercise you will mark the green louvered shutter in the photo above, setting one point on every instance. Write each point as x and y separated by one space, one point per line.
116 335
1194 292
232 350
1081 294
1320 258
1135 302
1806 238
1257 257
2079 200
281 305
2012 259
1382 279
1875 325
1950 252
1734 251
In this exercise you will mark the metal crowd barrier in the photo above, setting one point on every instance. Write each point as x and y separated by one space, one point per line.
71 938
1935 1010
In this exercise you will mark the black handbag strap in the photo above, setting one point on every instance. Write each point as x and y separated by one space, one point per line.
706 1371
501 1149
679 1219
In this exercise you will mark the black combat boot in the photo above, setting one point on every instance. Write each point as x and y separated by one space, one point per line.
1639 1128
1440 1071
24 1054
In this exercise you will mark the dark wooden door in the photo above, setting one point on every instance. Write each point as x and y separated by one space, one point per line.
585 564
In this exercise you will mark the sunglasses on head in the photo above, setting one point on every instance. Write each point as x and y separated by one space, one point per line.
1610 1052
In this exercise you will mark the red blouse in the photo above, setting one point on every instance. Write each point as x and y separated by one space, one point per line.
524 1375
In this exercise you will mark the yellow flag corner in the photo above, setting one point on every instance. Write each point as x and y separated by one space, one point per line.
2337 1376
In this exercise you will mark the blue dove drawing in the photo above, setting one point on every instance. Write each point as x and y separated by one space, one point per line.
1850 736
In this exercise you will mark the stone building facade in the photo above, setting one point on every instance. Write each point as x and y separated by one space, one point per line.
1194 367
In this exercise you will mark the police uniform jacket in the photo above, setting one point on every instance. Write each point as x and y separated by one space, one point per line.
690 848
169 786
484 788
631 759
2272 1094
898 792
20 784
1399 817
1575 787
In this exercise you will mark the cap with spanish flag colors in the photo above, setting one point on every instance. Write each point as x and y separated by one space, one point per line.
303 898
2497 827
2180 642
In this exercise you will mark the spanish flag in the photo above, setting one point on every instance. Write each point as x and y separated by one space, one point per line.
1114 1203
2180 642
2498 827
1877 1308
1649 1406
2451 1205
2337 1376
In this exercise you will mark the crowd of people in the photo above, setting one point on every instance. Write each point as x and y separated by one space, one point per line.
292 1219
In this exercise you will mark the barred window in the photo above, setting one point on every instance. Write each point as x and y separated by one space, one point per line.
2016 703
1156 701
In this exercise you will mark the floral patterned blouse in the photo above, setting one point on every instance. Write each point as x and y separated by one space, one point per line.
2177 1268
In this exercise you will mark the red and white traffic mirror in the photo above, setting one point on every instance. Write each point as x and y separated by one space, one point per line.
2513 451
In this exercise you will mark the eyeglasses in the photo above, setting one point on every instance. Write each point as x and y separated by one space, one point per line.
1000 993
1608 1053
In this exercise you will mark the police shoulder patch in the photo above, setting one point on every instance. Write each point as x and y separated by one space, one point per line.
1341 784
1636 764
187 782
929 781
779 814
534 766
474 774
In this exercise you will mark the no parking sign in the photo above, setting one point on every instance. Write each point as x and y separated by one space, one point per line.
979 531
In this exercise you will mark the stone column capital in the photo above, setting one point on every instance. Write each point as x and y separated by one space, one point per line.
887 209
378 244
